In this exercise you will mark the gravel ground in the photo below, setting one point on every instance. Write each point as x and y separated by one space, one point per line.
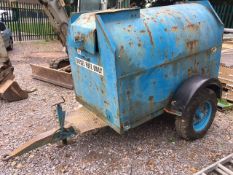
153 148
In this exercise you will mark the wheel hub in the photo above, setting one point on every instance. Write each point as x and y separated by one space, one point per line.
202 116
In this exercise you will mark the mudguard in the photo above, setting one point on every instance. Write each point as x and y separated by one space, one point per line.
189 89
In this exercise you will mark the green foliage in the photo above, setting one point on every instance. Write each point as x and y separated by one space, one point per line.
31 28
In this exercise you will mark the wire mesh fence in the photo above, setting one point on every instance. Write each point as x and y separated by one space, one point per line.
27 21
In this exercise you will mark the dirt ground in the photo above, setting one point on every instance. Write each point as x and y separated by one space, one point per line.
153 148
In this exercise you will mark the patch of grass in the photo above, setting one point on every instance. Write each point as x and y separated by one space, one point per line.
32 28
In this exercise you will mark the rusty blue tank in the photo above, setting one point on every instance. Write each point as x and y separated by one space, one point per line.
128 64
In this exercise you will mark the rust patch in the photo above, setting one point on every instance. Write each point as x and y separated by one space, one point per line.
102 79
153 19
174 29
106 103
121 125
131 43
90 17
128 95
192 45
130 28
121 51
151 100
196 65
139 44
203 71
79 37
193 27
149 32
190 72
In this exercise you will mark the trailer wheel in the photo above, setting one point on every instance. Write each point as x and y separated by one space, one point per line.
198 115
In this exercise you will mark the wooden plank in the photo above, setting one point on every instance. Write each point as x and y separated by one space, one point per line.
84 120
53 76
228 95
227 45
226 75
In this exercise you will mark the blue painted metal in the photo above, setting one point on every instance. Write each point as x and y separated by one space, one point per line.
62 133
202 116
145 55
60 116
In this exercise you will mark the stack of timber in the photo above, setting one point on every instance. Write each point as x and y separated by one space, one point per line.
226 70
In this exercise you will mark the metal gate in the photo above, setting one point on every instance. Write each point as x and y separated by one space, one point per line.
27 21
225 12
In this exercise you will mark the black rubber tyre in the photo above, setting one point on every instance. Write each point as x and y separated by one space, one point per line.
185 124
10 45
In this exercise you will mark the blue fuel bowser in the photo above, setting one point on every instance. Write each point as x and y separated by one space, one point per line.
130 66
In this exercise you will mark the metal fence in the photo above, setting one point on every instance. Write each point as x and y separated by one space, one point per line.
27 21
225 12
